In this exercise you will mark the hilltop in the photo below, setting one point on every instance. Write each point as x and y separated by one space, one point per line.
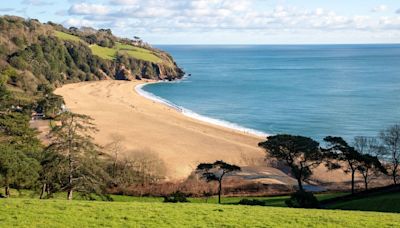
33 54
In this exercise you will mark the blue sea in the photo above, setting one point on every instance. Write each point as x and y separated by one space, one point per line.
310 90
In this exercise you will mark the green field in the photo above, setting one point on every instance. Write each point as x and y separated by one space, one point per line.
138 53
66 36
135 52
276 201
111 53
103 52
61 213
385 203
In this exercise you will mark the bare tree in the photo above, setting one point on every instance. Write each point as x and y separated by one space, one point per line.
139 167
390 138
114 149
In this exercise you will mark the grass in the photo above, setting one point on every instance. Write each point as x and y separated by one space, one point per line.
24 211
66 36
138 53
111 53
384 203
276 201
103 52
135 52
61 213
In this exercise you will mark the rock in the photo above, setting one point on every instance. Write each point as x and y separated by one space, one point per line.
124 74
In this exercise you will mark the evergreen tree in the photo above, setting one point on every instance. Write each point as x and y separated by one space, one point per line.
19 150
216 172
300 153
16 168
80 163
339 150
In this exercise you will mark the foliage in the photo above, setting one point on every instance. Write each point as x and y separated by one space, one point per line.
176 197
51 54
80 165
390 138
19 150
50 105
16 168
368 166
216 172
300 153
15 131
339 150
302 199
251 202
6 99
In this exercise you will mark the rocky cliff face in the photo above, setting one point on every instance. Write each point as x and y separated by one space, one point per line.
129 69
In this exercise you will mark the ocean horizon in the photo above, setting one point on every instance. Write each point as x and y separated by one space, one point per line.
312 90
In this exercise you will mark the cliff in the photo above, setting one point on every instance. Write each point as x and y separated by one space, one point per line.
34 54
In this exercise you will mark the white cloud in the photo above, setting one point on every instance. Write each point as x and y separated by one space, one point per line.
216 15
88 9
390 22
380 8
74 22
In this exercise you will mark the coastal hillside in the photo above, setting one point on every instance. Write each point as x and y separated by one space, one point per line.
33 54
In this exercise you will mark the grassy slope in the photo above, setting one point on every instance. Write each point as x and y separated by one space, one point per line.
103 52
385 203
59 213
277 201
66 36
138 53
110 53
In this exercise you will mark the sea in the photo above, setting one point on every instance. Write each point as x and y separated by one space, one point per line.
309 90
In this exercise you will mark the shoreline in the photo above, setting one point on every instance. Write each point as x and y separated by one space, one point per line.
153 128
191 114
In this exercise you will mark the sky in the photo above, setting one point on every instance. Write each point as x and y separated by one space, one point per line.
225 21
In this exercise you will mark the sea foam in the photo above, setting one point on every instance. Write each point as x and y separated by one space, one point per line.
189 113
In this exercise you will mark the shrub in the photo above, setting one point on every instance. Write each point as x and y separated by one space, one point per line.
302 199
252 202
176 197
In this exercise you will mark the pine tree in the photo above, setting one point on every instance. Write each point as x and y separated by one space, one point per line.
80 165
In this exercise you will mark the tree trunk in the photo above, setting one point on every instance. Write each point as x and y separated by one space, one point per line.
366 183
300 184
219 191
7 191
394 174
352 181
69 194
43 191
70 188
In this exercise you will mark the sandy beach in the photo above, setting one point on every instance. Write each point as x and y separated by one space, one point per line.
145 125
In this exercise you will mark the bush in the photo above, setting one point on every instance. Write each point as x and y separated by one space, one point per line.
176 197
302 199
252 202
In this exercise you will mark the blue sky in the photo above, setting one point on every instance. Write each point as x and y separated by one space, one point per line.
225 21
